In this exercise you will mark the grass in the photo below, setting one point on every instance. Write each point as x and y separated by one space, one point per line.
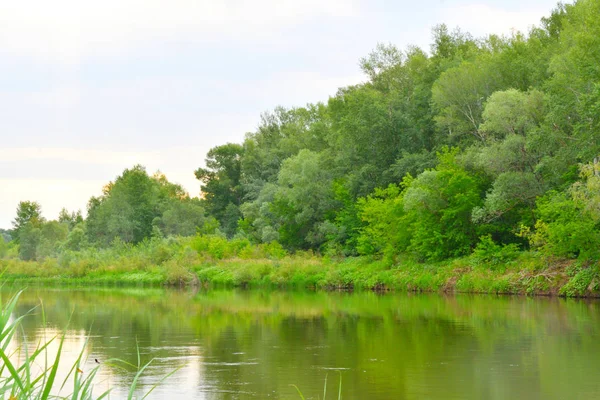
35 377
215 261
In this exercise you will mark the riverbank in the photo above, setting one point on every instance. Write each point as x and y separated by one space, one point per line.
528 273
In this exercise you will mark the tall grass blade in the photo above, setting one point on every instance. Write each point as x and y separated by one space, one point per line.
299 392
13 372
52 376
159 382
135 380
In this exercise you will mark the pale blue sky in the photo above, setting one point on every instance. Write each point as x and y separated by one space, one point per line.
90 88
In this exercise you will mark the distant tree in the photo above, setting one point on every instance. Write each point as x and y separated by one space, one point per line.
77 239
6 235
70 218
53 234
129 206
28 213
181 218
30 238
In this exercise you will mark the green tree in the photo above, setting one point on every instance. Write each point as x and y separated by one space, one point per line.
181 218
70 218
459 95
221 184
6 235
512 112
303 199
53 234
128 207
30 238
28 213
386 230
76 239
438 204
281 133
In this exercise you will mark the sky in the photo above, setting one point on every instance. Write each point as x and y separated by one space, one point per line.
88 89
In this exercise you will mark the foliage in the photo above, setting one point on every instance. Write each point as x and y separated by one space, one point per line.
438 204
568 221
370 171
385 229
512 112
565 229
221 184
6 235
491 254
29 216
130 207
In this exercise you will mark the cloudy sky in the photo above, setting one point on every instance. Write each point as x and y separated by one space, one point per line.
90 88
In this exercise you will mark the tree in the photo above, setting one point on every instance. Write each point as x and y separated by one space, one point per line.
365 136
28 213
181 218
512 112
438 205
303 199
70 218
459 95
221 183
30 237
129 206
6 235
53 234
77 239
386 230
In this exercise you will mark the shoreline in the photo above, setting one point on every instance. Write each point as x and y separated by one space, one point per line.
529 274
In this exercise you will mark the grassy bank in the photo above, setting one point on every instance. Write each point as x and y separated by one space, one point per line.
213 261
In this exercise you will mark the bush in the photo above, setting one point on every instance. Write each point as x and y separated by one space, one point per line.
584 280
489 253
565 229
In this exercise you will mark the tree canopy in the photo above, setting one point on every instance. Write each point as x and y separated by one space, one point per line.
477 139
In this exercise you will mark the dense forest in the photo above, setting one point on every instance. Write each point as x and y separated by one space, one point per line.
476 145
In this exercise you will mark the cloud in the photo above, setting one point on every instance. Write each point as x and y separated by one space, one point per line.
481 19
154 112
68 30
71 164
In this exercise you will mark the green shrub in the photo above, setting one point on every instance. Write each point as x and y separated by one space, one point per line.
583 281
565 229
493 255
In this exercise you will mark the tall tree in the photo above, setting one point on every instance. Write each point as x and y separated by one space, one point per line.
28 213
221 184
129 206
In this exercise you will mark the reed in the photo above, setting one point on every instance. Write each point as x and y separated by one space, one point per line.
35 377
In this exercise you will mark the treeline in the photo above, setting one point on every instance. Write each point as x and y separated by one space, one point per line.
486 142
133 208
480 144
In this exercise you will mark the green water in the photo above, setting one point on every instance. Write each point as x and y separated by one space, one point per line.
255 344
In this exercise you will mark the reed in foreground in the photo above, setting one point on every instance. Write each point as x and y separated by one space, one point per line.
35 377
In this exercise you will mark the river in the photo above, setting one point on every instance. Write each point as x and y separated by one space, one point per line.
255 344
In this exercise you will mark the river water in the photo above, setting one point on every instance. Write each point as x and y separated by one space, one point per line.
235 344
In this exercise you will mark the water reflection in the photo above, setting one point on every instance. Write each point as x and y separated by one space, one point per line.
255 344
